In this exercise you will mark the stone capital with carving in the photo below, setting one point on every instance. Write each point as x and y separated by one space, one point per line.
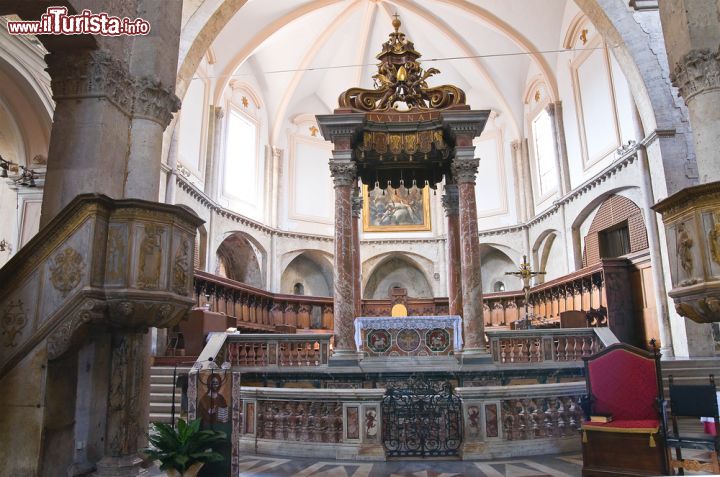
343 173
154 101
464 170
85 74
357 204
451 200
697 72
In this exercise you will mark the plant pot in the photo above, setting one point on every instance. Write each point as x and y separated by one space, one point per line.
192 471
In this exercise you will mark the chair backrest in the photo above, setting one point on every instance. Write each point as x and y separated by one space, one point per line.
693 400
623 381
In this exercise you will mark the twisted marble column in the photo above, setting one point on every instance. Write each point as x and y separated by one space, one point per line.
464 170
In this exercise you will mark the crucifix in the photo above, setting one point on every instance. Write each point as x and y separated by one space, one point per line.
525 274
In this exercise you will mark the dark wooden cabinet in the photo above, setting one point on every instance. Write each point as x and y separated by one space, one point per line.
618 454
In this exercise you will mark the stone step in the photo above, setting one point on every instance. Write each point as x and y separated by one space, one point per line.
161 379
162 388
168 370
161 417
164 397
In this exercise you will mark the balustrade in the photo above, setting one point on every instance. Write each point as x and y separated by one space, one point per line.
270 350
300 421
533 346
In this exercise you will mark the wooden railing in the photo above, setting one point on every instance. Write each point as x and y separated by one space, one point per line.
259 310
535 346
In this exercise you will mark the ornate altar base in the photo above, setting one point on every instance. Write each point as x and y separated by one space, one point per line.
380 337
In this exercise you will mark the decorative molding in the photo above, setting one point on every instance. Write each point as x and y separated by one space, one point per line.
66 270
451 200
12 323
697 72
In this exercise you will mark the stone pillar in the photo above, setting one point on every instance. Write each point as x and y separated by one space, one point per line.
152 112
450 202
518 180
343 170
464 169
692 40
215 159
88 150
527 180
357 203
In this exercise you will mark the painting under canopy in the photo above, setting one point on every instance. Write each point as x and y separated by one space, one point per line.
397 210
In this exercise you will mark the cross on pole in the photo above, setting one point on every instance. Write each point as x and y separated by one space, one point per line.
525 274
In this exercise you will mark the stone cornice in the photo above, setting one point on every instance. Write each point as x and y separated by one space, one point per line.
697 71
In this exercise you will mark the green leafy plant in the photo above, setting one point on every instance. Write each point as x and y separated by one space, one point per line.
183 447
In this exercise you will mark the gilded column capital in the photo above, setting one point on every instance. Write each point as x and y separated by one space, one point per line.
343 173
451 200
464 170
697 72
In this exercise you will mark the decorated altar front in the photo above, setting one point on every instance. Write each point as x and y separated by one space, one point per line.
408 336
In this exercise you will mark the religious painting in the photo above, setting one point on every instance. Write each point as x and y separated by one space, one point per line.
396 210
213 398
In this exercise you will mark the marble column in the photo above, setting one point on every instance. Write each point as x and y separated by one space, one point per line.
215 158
464 170
555 112
357 204
450 202
343 171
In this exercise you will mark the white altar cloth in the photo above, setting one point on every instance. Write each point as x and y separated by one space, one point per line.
411 322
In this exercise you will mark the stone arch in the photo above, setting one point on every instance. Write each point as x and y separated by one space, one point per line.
312 270
239 258
495 263
543 254
397 270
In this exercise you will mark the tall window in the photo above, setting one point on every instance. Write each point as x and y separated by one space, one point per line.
544 152
241 158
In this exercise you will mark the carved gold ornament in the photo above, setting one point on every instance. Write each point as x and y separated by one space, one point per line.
583 36
400 80
13 321
66 270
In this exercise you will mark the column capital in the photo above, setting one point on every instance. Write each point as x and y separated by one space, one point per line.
343 173
464 170
90 73
219 112
451 200
154 101
697 71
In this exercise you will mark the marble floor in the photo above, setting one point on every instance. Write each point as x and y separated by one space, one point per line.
563 465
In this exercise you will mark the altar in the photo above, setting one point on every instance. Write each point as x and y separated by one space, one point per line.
408 335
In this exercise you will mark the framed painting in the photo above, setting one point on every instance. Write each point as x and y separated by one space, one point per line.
397 210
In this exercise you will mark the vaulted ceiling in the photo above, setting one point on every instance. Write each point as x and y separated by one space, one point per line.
303 53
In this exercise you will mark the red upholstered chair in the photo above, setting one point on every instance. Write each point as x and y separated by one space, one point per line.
625 383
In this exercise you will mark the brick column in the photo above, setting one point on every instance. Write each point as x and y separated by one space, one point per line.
450 202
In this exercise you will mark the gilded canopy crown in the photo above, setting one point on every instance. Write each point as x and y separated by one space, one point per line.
401 83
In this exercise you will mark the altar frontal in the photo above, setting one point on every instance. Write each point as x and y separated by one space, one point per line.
408 336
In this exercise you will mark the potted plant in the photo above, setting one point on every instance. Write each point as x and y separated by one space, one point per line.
184 450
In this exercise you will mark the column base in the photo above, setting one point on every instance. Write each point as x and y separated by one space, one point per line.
344 358
127 466
474 356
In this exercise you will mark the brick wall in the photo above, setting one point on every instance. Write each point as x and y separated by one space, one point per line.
614 210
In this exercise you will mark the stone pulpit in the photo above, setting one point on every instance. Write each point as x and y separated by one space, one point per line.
405 133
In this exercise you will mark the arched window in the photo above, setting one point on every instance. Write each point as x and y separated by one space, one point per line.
298 289
499 287
544 145
241 151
